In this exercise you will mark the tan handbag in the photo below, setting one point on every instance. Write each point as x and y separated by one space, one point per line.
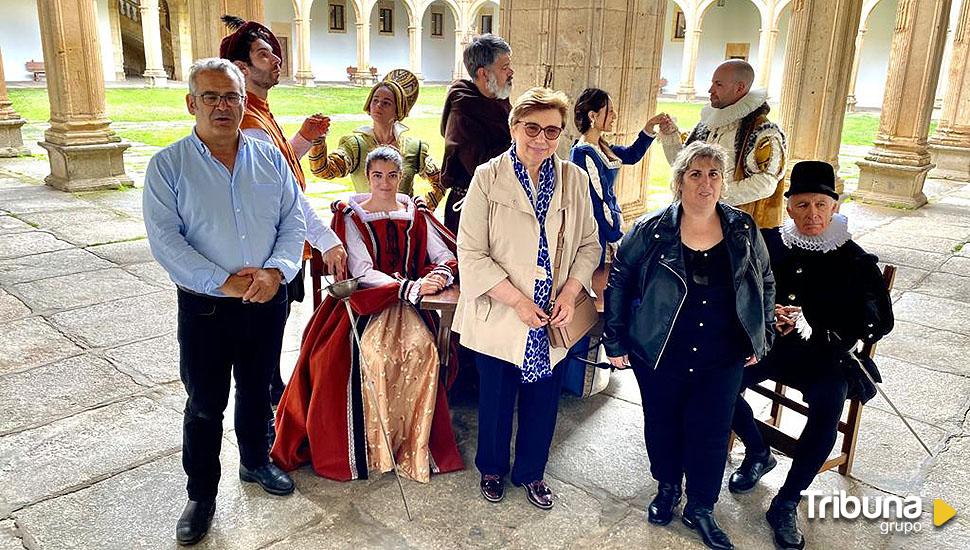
584 317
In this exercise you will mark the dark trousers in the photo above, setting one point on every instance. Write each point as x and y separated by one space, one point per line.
500 382
452 218
219 338
824 390
686 425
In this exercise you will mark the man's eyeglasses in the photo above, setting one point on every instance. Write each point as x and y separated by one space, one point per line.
550 132
212 99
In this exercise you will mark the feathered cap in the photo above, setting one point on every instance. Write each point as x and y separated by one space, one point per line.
240 28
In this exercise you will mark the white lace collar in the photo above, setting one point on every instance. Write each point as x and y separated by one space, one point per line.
610 162
715 118
407 214
835 236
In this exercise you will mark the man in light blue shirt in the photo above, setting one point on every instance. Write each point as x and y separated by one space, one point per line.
223 218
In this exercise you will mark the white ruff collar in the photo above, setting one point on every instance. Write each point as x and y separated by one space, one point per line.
835 236
402 199
715 118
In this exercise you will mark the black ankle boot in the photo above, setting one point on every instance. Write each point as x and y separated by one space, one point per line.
702 520
661 509
782 516
194 523
750 471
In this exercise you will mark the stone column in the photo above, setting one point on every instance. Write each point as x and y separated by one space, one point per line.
818 65
181 39
950 146
11 141
152 34
894 170
363 76
84 152
850 101
414 52
625 61
114 22
688 64
766 53
304 69
461 40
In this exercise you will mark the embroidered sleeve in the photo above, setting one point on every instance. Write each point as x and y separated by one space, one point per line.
764 166
672 144
336 164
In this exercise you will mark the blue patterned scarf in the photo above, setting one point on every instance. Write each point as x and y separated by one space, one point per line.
536 365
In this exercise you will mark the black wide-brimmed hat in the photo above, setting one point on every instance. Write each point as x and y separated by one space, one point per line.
812 176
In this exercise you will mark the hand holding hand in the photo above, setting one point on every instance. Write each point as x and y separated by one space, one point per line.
657 119
315 126
750 360
667 125
431 284
265 285
563 309
236 285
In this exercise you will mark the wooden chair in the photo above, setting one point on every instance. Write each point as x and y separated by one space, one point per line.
849 428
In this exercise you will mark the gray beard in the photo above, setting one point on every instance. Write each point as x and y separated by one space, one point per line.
491 84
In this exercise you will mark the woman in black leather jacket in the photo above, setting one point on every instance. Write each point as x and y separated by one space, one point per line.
689 304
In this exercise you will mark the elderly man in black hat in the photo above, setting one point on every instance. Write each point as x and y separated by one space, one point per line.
830 299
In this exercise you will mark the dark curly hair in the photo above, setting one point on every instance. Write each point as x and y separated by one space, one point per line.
592 99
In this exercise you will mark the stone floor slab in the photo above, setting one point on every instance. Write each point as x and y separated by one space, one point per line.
155 360
38 396
37 198
125 252
139 508
928 243
9 537
907 278
127 200
918 226
153 273
29 342
933 397
934 312
112 323
49 264
888 457
932 348
946 285
88 226
623 385
18 245
11 307
79 450
10 224
81 289
895 255
949 214
958 265
955 535
609 434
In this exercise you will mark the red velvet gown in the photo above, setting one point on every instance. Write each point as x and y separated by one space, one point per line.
320 420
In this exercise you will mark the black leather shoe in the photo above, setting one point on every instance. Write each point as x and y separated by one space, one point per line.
273 480
750 471
493 488
539 494
782 516
702 520
661 509
194 522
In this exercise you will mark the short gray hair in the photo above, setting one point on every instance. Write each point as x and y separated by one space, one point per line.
216 64
385 153
482 51
687 155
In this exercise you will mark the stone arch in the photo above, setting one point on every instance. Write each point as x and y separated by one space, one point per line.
473 9
779 8
867 8
706 4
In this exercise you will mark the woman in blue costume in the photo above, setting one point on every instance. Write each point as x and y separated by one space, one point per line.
594 116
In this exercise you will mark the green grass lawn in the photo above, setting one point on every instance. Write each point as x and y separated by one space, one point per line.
141 105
